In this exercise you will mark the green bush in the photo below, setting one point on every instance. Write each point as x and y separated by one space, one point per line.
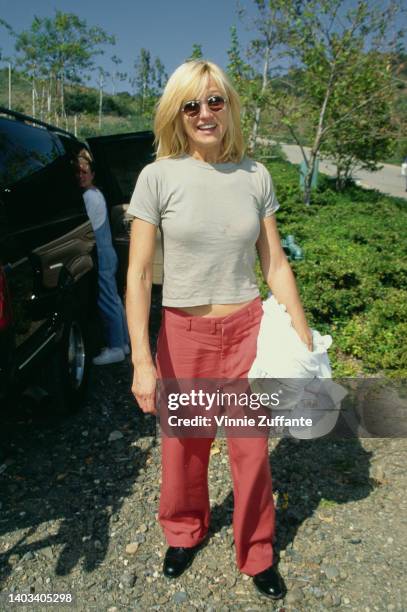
353 280
378 337
119 105
84 101
341 274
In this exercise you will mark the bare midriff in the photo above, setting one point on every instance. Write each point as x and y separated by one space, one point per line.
213 310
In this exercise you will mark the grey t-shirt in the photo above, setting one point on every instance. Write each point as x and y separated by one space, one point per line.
209 216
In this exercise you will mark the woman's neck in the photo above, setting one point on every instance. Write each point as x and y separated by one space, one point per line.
210 156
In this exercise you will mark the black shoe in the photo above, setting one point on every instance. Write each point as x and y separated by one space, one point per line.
270 583
177 559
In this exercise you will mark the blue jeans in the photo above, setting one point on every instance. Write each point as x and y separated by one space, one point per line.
109 302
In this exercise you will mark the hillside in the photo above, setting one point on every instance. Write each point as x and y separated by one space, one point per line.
120 112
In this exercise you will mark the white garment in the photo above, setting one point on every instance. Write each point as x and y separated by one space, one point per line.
285 365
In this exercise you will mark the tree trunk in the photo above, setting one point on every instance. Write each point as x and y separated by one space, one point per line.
143 95
307 185
49 97
253 137
256 123
338 178
9 85
62 91
33 96
317 141
42 103
347 174
100 101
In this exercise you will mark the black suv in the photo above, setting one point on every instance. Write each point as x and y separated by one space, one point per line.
47 256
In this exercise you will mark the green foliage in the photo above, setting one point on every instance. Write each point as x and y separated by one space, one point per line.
122 106
21 91
353 281
63 45
54 52
359 115
88 125
87 101
340 83
242 77
120 111
378 336
196 53
149 81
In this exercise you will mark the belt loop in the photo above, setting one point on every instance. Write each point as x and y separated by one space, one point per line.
213 327
188 324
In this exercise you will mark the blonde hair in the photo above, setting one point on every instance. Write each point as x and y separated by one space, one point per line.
187 83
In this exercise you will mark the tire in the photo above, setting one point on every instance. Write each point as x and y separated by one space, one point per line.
69 368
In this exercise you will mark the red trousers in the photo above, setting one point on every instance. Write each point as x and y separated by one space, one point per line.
214 347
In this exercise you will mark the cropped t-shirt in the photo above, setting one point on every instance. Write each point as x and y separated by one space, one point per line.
209 217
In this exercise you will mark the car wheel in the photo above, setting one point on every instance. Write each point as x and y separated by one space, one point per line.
70 368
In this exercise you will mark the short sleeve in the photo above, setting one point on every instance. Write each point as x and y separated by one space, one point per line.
95 207
268 199
144 203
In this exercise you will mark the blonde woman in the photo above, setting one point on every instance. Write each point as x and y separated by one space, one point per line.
215 207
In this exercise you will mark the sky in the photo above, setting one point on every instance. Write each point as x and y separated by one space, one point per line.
168 28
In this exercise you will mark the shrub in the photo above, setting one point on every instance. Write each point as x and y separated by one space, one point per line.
341 274
81 101
378 337
353 280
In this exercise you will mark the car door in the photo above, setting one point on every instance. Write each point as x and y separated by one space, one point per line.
47 233
119 160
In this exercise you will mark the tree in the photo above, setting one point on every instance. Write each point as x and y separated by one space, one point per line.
236 68
149 81
144 77
360 134
196 52
329 43
273 30
60 49
116 75
242 76
10 30
160 74
331 78
102 75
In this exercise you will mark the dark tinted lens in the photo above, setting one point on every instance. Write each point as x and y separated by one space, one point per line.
216 103
191 109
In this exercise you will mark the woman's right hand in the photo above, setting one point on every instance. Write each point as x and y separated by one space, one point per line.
144 387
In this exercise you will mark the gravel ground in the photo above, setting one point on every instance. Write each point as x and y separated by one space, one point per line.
78 514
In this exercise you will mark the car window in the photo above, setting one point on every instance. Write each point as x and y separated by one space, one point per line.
24 150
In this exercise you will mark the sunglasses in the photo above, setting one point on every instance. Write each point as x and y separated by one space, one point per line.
193 107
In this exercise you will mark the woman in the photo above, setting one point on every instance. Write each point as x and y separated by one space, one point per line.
109 302
214 207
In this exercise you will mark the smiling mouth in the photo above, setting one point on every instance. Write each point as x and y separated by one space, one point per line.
208 127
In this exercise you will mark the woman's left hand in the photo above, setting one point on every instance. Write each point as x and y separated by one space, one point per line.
306 337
